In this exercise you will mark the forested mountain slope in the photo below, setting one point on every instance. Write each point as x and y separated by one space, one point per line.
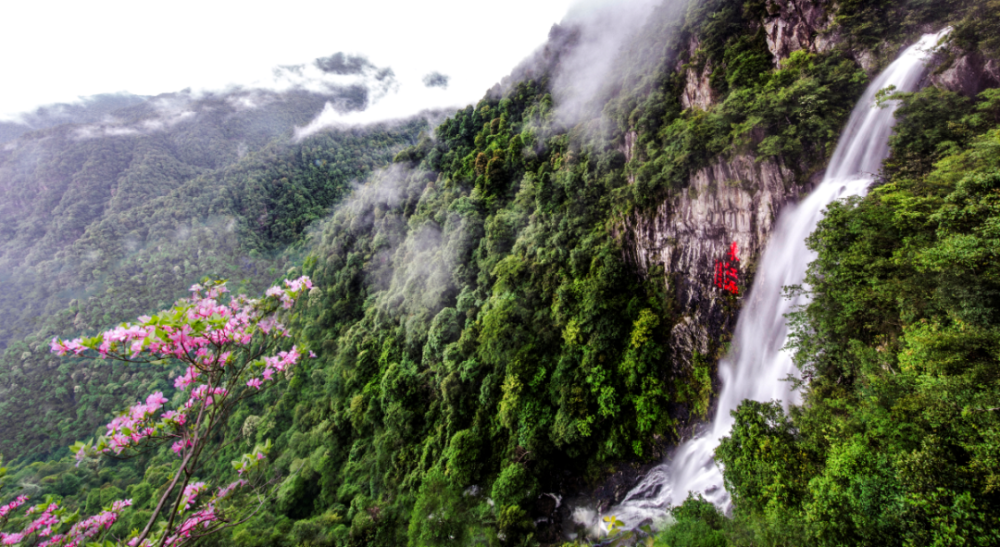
87 110
524 302
111 219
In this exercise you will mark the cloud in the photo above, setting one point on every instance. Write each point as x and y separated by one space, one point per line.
413 266
349 83
164 113
331 75
339 63
586 54
603 31
436 79
387 112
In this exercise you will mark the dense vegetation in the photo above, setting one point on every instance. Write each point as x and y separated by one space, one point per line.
108 228
480 336
897 441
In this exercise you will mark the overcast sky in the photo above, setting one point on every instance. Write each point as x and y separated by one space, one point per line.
58 51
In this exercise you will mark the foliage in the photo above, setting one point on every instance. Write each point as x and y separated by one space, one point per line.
479 330
793 114
120 226
222 348
697 523
894 444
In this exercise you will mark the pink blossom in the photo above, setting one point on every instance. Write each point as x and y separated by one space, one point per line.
179 446
191 492
85 529
297 284
267 324
156 400
57 347
206 335
6 509
224 492
182 382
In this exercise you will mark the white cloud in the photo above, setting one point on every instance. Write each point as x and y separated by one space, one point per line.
67 49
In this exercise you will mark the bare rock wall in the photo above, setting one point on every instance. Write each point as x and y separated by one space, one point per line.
735 200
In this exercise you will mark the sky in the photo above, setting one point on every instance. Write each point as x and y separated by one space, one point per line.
58 51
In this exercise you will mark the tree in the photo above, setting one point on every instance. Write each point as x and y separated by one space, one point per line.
228 352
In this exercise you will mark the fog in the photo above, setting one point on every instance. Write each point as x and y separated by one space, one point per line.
605 28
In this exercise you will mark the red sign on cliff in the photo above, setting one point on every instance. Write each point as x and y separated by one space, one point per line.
727 271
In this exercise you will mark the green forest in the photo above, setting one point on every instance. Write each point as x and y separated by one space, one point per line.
470 337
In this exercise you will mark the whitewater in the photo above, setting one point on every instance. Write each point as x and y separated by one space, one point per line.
757 366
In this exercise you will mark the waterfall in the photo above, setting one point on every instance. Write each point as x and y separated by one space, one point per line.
756 367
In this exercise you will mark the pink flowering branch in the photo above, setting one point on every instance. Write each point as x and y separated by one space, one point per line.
54 527
228 352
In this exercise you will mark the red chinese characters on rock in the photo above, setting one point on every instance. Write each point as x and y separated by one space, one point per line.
727 271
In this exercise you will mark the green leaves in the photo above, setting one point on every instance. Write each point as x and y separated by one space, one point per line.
900 349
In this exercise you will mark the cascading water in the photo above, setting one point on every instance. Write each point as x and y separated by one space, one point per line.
757 367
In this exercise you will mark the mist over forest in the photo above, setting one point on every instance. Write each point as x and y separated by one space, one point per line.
286 314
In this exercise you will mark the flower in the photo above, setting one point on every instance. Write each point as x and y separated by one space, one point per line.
191 492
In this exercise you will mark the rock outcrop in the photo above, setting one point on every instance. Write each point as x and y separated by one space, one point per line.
965 73
628 150
730 201
792 25
698 92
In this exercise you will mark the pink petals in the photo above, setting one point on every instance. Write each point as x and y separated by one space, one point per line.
191 492
52 518
135 424
278 363
218 346
202 333
182 382
88 528
6 509
210 324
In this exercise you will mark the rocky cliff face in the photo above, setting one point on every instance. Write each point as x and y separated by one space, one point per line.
792 25
737 200
731 201
734 200
698 92
964 72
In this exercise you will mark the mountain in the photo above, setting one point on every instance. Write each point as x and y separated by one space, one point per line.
117 213
89 110
81 191
523 312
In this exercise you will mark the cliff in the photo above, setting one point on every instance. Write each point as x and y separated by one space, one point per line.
736 197
733 200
